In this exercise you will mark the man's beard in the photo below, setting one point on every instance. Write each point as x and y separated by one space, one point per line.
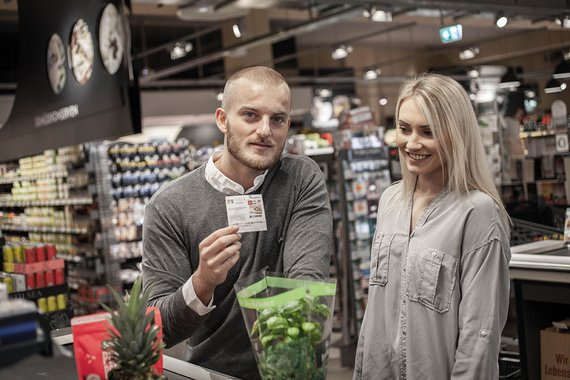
252 163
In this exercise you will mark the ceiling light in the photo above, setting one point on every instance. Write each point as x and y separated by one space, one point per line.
468 53
180 49
450 33
510 79
563 22
205 9
562 70
383 101
473 73
371 74
341 52
529 94
473 96
369 11
236 30
553 86
377 15
381 16
324 92
220 96
501 21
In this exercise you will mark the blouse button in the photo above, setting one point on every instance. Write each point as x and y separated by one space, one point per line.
434 254
484 333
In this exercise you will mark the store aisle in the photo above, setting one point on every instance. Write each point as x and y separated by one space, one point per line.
335 371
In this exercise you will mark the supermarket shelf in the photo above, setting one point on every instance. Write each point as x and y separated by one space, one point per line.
34 294
56 230
51 202
59 174
70 258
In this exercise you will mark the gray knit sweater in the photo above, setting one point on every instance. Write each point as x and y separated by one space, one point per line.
297 243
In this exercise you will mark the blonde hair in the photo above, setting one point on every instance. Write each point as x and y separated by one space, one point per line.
450 115
259 74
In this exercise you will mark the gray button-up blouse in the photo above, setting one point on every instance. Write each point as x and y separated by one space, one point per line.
438 297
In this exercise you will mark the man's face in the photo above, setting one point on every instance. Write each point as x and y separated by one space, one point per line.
256 124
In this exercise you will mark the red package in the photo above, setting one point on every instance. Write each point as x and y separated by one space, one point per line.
50 278
41 253
41 280
30 254
59 277
50 252
30 281
89 333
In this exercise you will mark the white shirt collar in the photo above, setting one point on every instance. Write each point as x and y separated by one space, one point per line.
225 185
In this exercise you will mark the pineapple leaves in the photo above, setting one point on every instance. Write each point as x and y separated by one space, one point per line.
134 343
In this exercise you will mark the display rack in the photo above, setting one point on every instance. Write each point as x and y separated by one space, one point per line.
137 171
58 199
356 173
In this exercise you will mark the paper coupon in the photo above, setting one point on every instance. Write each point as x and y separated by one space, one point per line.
247 212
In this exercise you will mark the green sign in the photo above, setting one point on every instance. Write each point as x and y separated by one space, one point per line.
451 33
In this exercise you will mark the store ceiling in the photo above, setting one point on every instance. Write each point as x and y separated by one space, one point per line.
304 31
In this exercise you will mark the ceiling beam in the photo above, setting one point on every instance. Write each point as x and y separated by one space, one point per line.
531 8
346 13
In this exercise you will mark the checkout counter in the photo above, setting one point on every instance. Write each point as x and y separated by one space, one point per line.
61 366
540 273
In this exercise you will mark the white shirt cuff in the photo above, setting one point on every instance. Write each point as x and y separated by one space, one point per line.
193 301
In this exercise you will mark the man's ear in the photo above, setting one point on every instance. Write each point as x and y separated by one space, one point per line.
221 120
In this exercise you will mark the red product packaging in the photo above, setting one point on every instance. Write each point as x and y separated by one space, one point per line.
41 280
92 358
50 251
41 253
30 281
31 255
50 278
59 277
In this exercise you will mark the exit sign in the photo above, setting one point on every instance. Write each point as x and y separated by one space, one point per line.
451 33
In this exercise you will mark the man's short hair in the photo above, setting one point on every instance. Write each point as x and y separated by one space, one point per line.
259 74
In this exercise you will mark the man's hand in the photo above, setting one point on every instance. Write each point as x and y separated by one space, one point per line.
219 252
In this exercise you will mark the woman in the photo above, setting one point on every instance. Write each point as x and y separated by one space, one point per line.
439 276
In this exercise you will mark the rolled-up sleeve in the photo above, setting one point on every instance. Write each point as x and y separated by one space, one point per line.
482 311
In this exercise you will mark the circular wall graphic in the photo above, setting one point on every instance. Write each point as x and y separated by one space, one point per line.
81 51
111 38
56 63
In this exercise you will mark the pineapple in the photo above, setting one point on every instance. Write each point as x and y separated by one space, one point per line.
134 345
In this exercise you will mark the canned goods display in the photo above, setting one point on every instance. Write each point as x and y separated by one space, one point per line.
9 283
50 278
59 277
30 281
51 304
41 253
19 254
41 280
30 254
8 254
50 252
61 302
42 305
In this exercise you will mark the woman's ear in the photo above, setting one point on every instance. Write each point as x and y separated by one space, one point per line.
221 120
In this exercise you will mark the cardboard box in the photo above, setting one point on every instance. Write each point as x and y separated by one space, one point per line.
555 353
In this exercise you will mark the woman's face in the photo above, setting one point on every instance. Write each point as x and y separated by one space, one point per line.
416 142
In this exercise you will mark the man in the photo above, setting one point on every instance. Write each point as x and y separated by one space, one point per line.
192 258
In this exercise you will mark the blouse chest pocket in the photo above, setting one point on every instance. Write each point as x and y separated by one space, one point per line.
431 278
380 259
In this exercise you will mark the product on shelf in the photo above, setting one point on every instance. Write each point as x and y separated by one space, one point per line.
54 200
